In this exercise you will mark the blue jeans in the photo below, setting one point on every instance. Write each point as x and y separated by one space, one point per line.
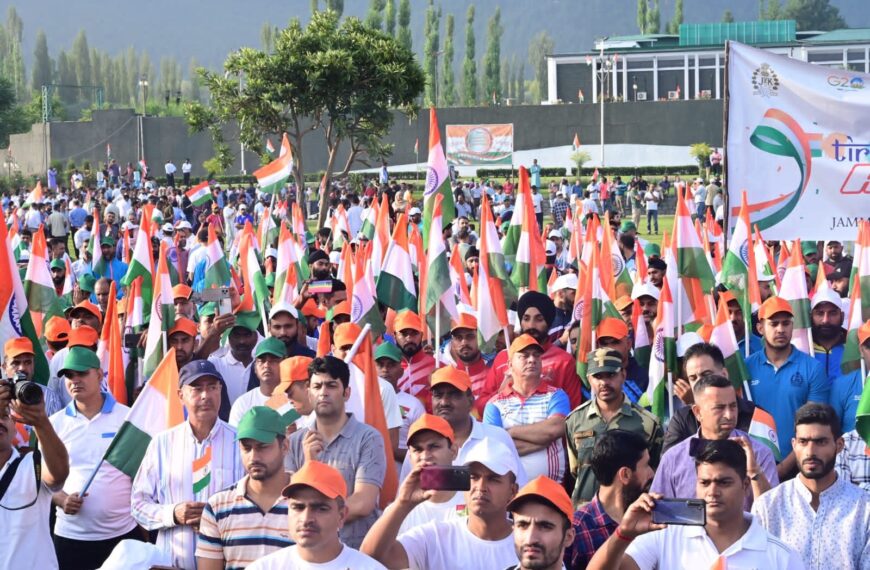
654 216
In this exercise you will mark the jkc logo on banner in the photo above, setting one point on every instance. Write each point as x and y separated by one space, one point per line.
798 142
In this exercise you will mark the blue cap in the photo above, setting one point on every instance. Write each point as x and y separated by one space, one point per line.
196 369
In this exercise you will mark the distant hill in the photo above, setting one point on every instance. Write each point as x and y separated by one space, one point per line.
209 29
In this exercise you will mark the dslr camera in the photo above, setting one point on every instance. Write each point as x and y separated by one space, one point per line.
24 390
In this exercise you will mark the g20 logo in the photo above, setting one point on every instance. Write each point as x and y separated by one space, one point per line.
843 83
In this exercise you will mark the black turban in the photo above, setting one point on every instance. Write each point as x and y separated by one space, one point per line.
541 302
317 255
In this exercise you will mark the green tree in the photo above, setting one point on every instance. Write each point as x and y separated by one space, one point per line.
375 16
11 56
81 59
641 16
506 75
673 26
390 18
336 6
430 53
342 80
653 18
540 46
267 35
813 15
448 79
66 75
469 65
315 6
770 10
520 84
727 17
192 91
13 118
492 59
404 21
42 66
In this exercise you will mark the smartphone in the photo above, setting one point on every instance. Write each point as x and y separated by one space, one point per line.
690 512
445 478
323 286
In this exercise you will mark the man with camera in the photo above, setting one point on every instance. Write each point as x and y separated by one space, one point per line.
721 535
28 480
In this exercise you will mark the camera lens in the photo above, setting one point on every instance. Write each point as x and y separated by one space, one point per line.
28 393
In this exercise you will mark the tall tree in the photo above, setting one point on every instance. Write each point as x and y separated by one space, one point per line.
109 79
315 6
11 54
641 16
97 71
81 57
540 47
520 84
267 37
492 59
193 90
336 6
673 26
506 73
814 15
430 53
66 75
770 10
727 17
404 21
469 66
375 16
448 77
653 18
41 63
390 18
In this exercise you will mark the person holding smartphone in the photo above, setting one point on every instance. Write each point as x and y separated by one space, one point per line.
730 538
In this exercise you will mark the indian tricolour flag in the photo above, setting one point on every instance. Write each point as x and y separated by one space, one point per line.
201 471
763 429
142 264
38 285
162 316
437 180
110 350
851 353
739 267
487 294
530 261
157 409
269 146
35 195
274 175
395 284
199 194
663 363
691 260
217 272
439 290
723 336
794 290
363 305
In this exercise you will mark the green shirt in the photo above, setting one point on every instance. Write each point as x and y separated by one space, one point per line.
583 427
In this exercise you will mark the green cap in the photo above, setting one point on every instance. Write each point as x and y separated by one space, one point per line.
79 359
271 346
87 282
208 309
809 247
107 240
603 360
388 350
651 249
248 319
262 424
627 226
57 264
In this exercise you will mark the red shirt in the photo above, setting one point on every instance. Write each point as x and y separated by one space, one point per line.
479 371
417 376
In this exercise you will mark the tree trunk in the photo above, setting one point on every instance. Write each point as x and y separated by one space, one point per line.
332 146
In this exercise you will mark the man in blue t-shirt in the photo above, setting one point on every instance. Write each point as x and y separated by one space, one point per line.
847 389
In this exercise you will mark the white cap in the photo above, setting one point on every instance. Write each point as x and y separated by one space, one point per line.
567 281
128 225
335 257
415 211
183 225
272 252
555 234
135 555
826 295
283 308
168 228
686 341
645 290
492 454
551 248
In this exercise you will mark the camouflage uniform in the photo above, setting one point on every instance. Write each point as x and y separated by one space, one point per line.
585 424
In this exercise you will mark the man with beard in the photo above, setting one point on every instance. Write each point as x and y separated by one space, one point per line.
182 337
609 410
318 264
564 291
417 363
284 325
111 267
656 271
840 277
819 514
620 462
612 333
716 409
536 312
783 377
102 289
829 337
542 513
249 520
463 352
58 276
647 296
834 255
234 360
738 323
847 389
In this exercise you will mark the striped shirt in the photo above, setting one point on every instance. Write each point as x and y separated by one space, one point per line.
165 478
235 530
508 409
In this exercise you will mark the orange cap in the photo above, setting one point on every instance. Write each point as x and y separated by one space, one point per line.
622 302
613 328
544 488
407 320
293 369
183 325
83 336
523 342
310 309
774 305
433 423
342 308
16 346
345 334
727 297
459 379
181 290
864 333
89 307
57 329
320 477
465 321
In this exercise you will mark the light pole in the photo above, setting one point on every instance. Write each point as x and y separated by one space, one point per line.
634 86
143 85
602 69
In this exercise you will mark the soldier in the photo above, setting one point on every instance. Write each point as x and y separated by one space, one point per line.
608 410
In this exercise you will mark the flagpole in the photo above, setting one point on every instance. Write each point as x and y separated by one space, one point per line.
438 334
863 373
91 478
670 394
746 393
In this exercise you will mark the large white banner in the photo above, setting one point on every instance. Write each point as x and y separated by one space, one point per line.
799 144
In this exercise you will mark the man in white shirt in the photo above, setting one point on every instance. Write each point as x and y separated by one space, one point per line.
317 509
26 504
483 540
699 198
234 360
186 167
170 173
825 518
88 527
354 215
652 197
183 466
729 539
267 361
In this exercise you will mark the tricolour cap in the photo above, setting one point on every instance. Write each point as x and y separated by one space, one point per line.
262 424
272 346
407 320
319 476
388 350
613 328
774 305
196 369
183 325
434 423
57 329
459 379
523 342
83 336
547 490
16 346
603 360
492 454
79 359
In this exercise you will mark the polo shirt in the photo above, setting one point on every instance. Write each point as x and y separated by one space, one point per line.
26 539
829 359
509 408
558 368
244 403
755 345
105 512
690 547
782 391
289 559
357 452
845 395
234 529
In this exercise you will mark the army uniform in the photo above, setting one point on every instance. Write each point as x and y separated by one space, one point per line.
585 425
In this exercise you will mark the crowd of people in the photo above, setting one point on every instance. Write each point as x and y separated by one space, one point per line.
546 446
